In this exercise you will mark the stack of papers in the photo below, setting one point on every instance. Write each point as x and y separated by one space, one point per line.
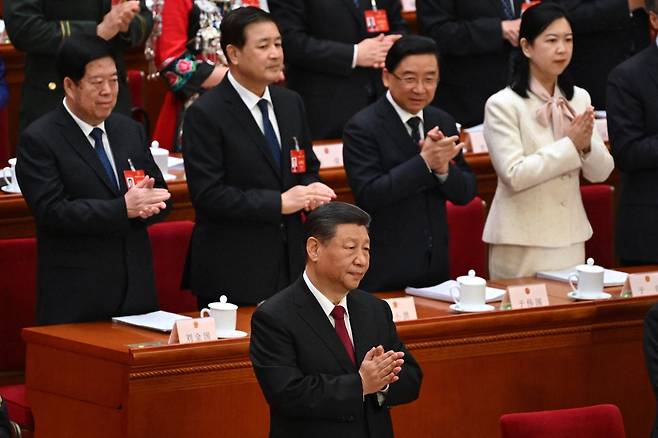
442 292
161 321
610 276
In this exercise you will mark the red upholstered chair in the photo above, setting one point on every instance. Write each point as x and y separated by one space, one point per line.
18 258
169 243
589 422
598 200
135 79
466 248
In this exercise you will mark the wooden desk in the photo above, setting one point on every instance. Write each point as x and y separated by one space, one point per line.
86 379
16 219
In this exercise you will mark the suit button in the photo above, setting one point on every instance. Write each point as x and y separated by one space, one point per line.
52 86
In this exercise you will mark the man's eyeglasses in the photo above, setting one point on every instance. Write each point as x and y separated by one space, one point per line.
410 81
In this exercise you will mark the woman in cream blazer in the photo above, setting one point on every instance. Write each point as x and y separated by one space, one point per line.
540 136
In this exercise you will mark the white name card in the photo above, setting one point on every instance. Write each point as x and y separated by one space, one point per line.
640 285
525 296
330 155
189 331
403 309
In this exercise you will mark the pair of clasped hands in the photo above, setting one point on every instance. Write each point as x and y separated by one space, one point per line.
379 369
143 200
580 130
118 19
437 150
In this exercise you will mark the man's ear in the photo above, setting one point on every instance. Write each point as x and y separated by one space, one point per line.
68 86
312 248
232 53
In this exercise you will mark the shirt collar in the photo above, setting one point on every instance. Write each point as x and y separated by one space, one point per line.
325 303
402 113
84 126
248 97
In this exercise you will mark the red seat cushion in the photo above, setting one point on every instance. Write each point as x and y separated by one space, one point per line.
18 258
16 399
466 248
169 243
588 422
598 200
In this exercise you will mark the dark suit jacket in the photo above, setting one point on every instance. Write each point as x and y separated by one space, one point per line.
318 41
38 27
651 354
240 233
93 262
475 59
311 385
390 180
604 36
633 130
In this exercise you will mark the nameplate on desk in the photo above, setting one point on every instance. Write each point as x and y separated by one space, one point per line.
330 155
525 296
188 331
403 309
640 285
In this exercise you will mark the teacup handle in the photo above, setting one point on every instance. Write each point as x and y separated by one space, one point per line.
204 313
4 175
452 294
573 275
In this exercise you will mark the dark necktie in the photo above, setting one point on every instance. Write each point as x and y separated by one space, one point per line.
508 13
341 330
97 135
414 123
270 135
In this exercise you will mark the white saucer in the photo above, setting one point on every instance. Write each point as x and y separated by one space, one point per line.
169 177
472 309
6 189
231 334
575 295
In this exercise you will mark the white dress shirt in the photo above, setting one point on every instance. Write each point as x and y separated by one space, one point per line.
86 129
328 306
251 101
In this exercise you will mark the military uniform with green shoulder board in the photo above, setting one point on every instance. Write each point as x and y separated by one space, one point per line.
38 27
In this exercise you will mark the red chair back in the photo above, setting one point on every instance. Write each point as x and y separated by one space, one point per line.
135 79
598 200
169 243
587 422
466 248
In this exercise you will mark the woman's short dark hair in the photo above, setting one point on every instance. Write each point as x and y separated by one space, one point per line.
78 51
321 223
410 45
534 21
235 22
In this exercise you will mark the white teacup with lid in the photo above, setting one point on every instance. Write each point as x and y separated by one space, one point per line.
161 158
590 280
225 316
9 176
471 293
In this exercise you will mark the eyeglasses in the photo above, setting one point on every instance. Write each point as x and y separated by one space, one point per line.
411 81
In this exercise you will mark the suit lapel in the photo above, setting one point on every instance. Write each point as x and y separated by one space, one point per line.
249 125
120 147
286 130
311 312
76 139
361 333
395 127
653 62
356 13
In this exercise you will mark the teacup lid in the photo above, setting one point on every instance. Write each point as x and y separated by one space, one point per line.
589 267
471 279
222 304
155 144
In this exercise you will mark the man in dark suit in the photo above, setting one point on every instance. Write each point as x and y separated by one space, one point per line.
651 354
606 32
38 28
243 143
401 181
633 130
475 39
326 354
333 61
94 254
